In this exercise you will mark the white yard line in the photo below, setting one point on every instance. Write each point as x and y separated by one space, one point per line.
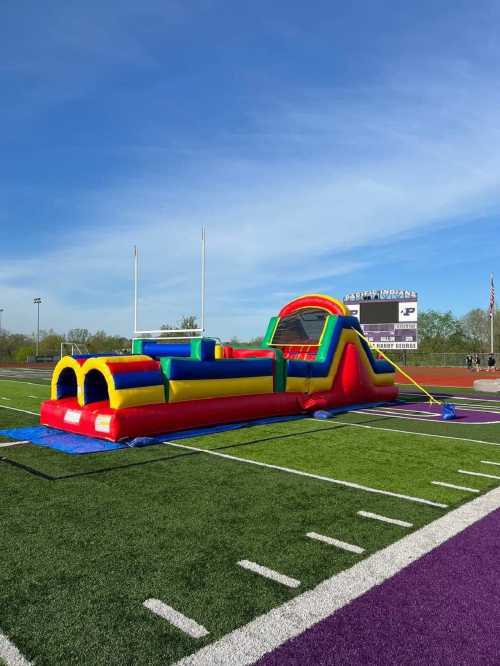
460 397
384 519
10 654
404 432
489 462
185 624
35 397
4 445
452 485
247 644
22 381
269 573
336 542
16 409
486 476
288 470
369 412
4 398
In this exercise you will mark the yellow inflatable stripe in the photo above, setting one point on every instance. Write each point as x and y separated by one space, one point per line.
180 390
137 397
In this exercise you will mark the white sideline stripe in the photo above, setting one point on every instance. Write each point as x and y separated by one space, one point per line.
336 542
23 381
404 432
269 573
348 484
247 644
4 445
486 476
384 519
452 485
16 409
10 654
185 624
489 462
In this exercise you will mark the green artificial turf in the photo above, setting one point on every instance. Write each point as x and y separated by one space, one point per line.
81 554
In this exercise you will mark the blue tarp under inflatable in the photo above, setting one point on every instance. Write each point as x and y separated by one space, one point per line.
79 444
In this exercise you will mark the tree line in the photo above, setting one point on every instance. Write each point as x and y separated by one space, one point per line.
438 332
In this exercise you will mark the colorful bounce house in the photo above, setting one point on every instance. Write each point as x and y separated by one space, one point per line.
311 359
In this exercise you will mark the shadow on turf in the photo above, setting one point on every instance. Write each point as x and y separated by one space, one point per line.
103 470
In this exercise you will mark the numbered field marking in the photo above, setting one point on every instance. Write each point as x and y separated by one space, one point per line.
336 542
486 476
452 485
288 470
269 573
384 519
185 624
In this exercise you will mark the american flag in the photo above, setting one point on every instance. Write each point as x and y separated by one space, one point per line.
491 310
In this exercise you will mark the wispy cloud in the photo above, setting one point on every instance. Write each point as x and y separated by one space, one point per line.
302 197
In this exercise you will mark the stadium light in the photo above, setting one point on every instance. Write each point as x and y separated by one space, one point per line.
1 312
37 302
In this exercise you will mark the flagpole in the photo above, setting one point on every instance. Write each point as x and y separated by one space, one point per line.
492 311
136 280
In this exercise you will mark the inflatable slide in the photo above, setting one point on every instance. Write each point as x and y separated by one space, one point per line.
311 358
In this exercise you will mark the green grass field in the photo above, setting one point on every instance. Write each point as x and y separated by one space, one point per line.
87 539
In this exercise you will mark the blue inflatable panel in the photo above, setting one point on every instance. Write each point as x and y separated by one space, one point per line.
67 442
165 349
125 380
220 369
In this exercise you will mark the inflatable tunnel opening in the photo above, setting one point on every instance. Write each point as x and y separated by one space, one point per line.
67 384
95 388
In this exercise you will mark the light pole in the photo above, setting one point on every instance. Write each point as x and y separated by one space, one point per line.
1 312
37 302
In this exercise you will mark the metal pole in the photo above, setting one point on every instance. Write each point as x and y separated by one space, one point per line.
136 276
37 302
491 331
1 311
203 250
492 310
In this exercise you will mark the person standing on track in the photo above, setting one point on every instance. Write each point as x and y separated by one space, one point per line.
468 361
477 362
492 364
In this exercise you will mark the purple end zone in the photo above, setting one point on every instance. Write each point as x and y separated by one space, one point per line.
465 414
442 609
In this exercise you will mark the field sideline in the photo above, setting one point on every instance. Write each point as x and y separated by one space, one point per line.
145 556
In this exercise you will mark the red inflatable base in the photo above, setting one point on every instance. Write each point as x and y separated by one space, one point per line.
352 385
98 420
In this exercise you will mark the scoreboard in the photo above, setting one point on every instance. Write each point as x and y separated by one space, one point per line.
388 317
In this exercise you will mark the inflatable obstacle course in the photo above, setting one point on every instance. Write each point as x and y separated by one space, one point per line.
312 357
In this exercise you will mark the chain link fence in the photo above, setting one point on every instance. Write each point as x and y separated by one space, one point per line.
439 359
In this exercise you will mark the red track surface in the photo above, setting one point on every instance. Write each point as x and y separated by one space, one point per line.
444 376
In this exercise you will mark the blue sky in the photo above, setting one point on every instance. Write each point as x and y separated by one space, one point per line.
326 146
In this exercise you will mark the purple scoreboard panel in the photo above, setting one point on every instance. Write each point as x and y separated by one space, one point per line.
388 317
